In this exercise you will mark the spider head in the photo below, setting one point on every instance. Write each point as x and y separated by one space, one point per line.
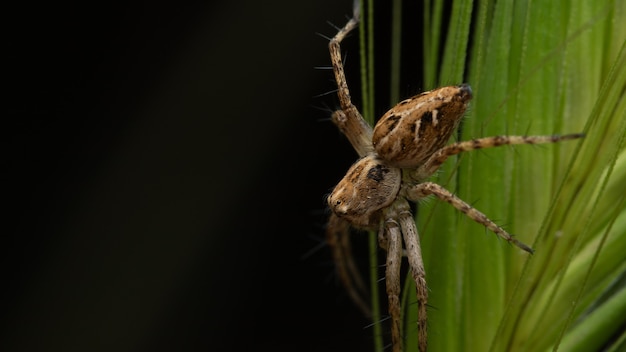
410 132
369 185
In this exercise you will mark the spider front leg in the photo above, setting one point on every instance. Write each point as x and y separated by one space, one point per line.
348 119
425 189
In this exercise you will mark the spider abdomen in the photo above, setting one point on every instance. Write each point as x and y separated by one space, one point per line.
368 186
410 132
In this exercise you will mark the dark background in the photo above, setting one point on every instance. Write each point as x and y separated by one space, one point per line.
166 167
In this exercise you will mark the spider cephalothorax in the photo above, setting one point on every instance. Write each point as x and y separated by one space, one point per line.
368 186
405 148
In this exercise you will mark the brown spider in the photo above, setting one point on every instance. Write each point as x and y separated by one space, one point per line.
405 148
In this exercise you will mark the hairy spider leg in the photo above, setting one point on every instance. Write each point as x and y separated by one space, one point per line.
338 238
439 157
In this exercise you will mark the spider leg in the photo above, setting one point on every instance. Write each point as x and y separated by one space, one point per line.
348 119
428 188
399 223
392 277
416 264
358 132
439 157
338 238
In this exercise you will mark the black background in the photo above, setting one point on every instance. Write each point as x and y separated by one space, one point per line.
166 166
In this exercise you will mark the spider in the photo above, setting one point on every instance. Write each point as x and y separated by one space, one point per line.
397 157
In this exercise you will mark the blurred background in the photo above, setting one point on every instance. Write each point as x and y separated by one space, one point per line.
166 171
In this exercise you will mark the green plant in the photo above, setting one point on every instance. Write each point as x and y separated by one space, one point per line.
535 68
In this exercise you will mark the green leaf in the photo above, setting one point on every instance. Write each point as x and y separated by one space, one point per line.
535 68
